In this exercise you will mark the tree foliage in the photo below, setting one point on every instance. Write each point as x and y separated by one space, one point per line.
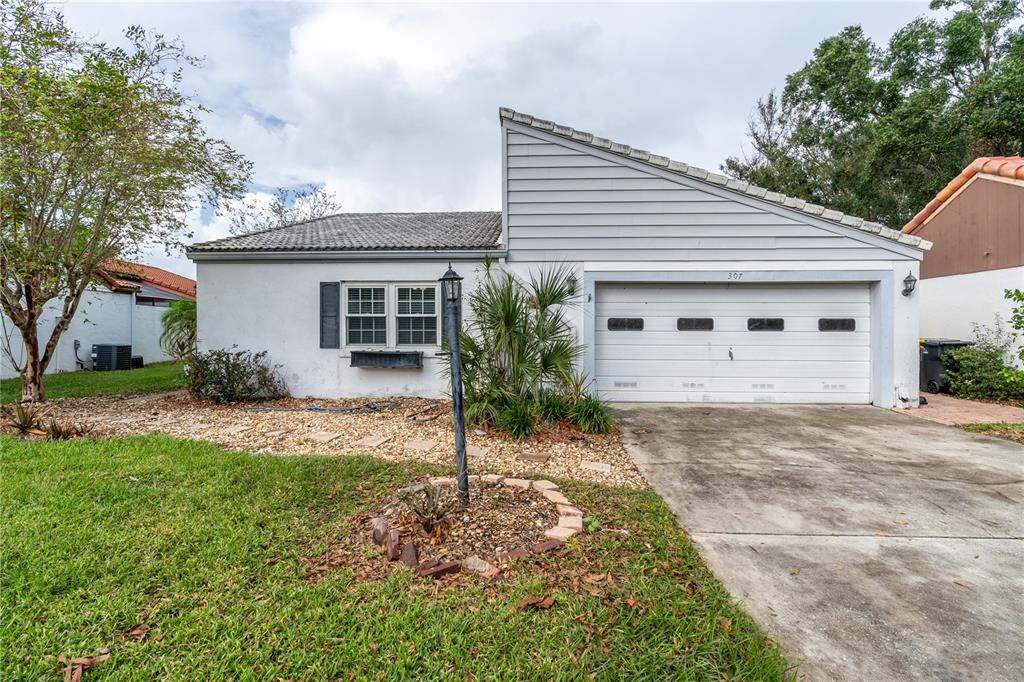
178 329
877 131
101 156
287 206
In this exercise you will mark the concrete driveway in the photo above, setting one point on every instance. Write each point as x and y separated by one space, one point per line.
873 545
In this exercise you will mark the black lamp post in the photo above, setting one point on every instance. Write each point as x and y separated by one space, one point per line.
451 287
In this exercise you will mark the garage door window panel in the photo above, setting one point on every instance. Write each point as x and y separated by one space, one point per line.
765 324
625 324
695 324
837 324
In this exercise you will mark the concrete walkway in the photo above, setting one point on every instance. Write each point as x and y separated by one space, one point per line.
875 546
945 409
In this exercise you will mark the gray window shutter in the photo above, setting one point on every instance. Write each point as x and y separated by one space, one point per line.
330 314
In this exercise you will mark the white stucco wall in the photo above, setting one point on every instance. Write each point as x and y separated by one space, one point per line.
146 334
102 317
952 305
275 306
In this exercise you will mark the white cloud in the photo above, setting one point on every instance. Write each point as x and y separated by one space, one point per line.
394 107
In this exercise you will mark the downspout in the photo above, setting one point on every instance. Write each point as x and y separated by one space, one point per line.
131 325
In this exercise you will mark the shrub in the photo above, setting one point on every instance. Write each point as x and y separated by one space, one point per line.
591 415
24 417
518 349
553 406
57 430
981 370
430 503
229 376
518 419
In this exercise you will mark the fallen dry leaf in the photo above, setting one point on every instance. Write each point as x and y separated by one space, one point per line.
74 668
373 648
137 632
537 602
794 571
725 624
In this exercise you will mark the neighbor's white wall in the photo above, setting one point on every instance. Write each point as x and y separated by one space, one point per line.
146 334
275 306
952 305
102 317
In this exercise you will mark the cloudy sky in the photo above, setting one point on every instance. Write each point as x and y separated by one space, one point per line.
395 107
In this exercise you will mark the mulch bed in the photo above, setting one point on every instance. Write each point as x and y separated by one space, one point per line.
499 519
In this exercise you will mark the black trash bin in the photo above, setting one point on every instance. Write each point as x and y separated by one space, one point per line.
932 368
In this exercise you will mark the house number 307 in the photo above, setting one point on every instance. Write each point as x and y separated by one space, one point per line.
735 275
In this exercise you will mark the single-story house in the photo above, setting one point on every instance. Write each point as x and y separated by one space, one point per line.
693 286
977 225
123 308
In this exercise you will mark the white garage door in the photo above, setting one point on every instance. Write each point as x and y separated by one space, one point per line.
784 343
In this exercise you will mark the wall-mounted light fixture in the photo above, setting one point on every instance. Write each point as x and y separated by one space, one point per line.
909 282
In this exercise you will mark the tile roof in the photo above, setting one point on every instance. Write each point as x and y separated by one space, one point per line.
1011 167
121 275
471 230
714 178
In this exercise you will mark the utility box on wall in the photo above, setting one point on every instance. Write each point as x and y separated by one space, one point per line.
109 356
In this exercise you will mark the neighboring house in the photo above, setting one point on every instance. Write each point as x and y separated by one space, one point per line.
694 286
123 307
977 225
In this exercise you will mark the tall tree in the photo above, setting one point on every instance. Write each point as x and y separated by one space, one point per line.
877 131
287 206
101 155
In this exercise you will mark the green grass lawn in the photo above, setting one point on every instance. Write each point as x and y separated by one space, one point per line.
1007 431
206 546
159 376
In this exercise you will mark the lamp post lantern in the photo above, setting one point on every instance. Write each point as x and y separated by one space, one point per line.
451 288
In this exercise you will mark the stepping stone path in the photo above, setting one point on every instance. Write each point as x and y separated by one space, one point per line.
570 522
277 434
599 467
372 441
324 436
235 430
477 451
420 445
538 457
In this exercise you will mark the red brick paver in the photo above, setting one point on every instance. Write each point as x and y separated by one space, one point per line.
951 411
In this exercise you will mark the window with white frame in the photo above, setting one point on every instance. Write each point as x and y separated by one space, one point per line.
391 315
366 321
416 315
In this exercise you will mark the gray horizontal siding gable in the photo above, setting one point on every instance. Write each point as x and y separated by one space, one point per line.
568 201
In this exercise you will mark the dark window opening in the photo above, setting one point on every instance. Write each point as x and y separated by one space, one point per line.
837 324
765 324
622 324
695 324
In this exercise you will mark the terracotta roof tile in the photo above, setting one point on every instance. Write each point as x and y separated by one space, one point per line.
123 275
1011 167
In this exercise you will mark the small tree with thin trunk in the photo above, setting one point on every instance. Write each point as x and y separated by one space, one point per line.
101 156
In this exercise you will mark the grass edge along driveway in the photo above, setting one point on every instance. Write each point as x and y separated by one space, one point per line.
205 547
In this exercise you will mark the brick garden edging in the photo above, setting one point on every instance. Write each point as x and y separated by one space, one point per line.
570 522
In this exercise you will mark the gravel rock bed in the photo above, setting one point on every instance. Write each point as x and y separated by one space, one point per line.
401 429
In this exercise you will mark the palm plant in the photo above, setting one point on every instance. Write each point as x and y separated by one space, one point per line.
178 337
517 343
